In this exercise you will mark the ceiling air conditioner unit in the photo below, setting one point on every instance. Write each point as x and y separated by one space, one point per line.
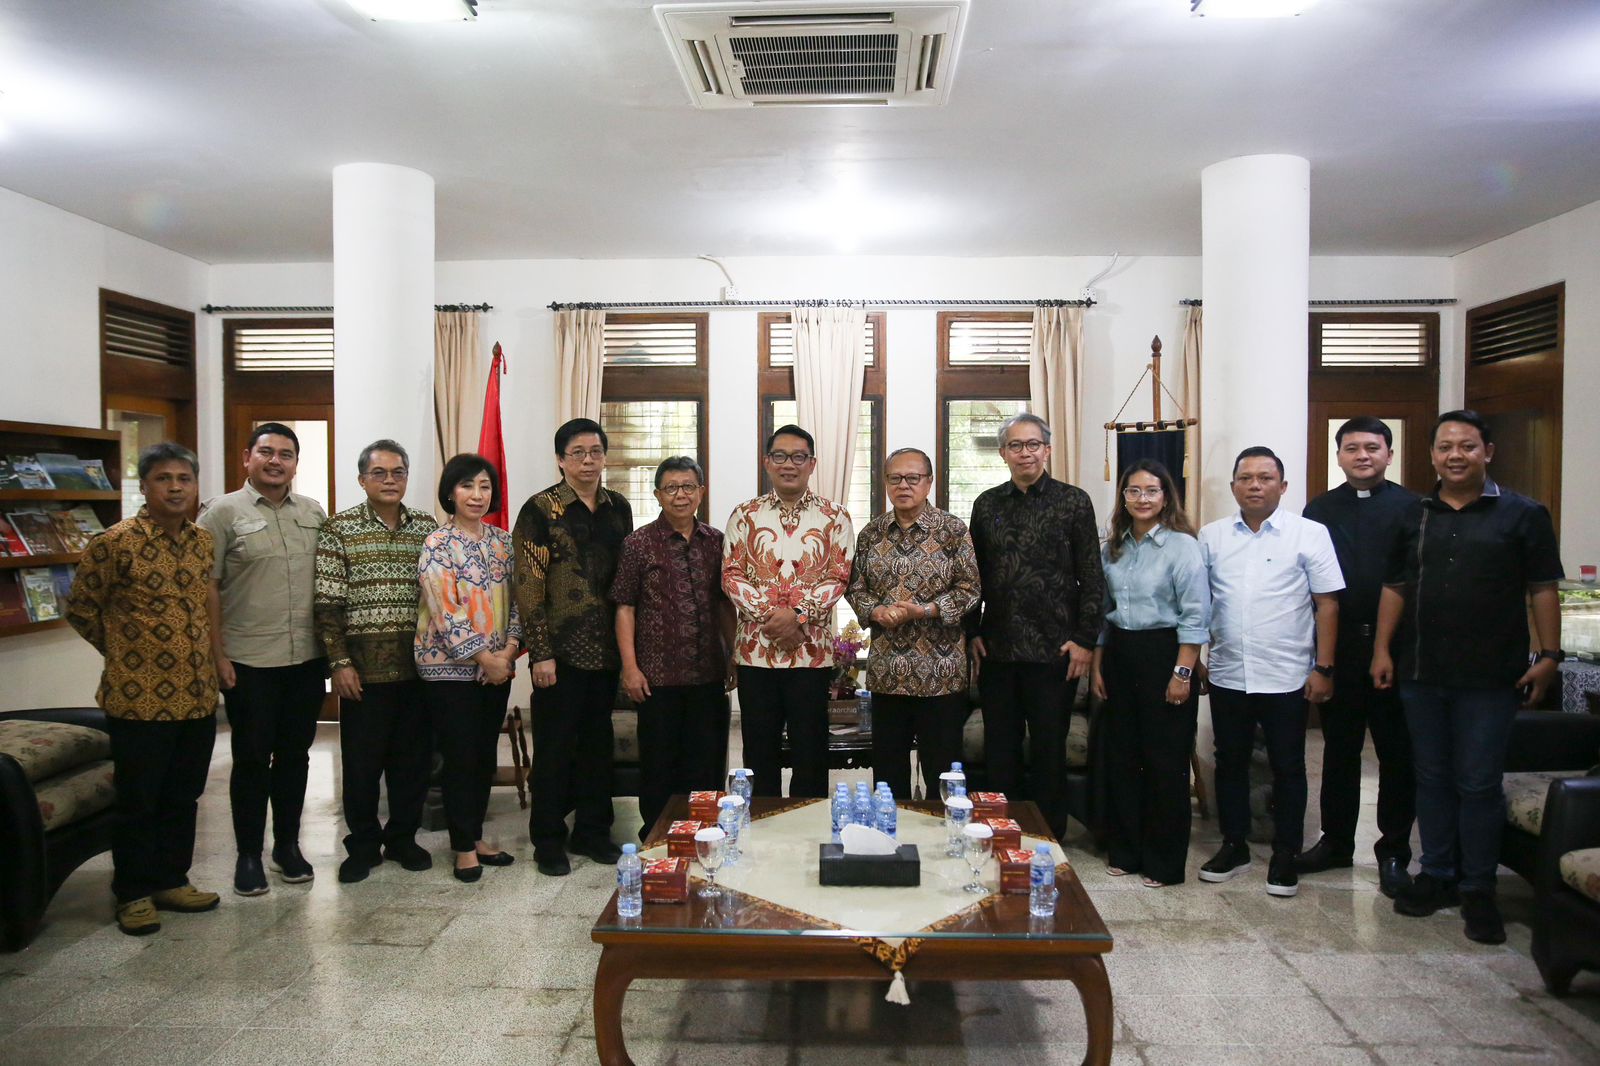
797 54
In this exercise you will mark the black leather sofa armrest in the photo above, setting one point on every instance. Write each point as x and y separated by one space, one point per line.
1553 740
23 882
1571 821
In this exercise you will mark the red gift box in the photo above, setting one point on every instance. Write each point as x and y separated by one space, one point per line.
1007 833
680 839
666 881
1014 870
703 805
988 805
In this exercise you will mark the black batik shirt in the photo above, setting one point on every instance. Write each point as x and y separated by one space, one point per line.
566 560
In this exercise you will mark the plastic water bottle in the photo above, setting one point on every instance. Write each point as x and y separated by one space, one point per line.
864 710
957 813
743 788
1042 883
730 819
841 810
888 820
862 813
630 883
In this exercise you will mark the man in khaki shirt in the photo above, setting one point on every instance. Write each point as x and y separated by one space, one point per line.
269 661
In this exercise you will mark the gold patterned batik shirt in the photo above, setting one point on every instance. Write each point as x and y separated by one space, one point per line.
928 562
566 559
140 598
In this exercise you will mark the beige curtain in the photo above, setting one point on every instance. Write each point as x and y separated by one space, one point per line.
1191 409
580 356
829 366
457 385
1055 376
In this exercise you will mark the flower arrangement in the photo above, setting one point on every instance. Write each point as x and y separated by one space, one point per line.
846 646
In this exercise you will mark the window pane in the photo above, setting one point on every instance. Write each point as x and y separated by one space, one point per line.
642 433
780 342
1372 344
631 342
139 430
1396 468
990 342
972 428
785 412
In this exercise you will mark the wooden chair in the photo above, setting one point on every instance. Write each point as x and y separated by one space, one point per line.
517 773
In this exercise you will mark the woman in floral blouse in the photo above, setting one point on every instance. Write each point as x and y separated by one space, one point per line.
466 646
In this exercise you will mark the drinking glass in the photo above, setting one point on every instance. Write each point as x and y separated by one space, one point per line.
947 781
957 813
977 842
710 847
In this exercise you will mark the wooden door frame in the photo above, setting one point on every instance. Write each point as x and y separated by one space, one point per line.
1418 418
241 421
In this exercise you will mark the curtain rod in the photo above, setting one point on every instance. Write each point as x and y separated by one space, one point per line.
229 309
713 305
1432 301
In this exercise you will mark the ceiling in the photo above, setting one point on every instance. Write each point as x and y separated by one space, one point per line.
558 128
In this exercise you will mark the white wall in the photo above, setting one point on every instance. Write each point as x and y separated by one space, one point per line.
1560 249
52 267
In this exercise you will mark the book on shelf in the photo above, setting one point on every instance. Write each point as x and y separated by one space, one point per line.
37 531
61 576
13 607
66 471
39 589
73 537
11 543
87 520
95 470
30 475
9 478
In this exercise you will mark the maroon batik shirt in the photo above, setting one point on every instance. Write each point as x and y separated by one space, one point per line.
674 586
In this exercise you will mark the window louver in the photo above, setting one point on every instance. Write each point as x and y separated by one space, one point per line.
651 342
781 343
1372 344
137 333
293 349
990 342
851 64
1514 328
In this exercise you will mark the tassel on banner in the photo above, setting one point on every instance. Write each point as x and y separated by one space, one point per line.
897 990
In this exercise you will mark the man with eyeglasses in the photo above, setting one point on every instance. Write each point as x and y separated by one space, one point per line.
914 580
567 539
785 563
675 633
365 607
1038 552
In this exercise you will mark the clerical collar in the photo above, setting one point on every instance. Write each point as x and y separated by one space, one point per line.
1362 494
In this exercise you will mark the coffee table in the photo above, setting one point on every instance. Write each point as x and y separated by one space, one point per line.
745 937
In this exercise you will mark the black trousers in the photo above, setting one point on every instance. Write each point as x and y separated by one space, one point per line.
467 718
934 723
1148 744
384 735
272 713
683 745
772 702
572 755
1356 707
160 772
1032 701
1282 718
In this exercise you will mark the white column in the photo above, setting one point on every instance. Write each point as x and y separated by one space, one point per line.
1255 227
383 285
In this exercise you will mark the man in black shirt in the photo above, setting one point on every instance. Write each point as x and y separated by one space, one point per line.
1363 517
1469 559
1043 596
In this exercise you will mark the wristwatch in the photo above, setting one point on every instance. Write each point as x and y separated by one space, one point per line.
1325 671
1182 673
1556 656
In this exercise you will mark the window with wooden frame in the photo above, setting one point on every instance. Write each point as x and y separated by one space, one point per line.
983 380
775 350
1379 363
281 370
654 401
147 380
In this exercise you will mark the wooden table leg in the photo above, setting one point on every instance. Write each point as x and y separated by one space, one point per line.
611 980
1088 972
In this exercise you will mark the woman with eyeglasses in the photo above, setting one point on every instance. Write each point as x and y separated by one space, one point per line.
1158 605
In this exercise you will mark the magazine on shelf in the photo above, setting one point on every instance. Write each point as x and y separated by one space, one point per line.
73 537
40 591
30 474
95 470
11 543
37 531
9 478
61 576
87 520
66 471
13 608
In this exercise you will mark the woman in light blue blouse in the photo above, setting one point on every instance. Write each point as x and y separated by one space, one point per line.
1158 604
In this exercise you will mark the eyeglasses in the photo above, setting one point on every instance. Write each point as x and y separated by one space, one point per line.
678 490
1017 447
907 479
380 474
1131 493
577 455
791 458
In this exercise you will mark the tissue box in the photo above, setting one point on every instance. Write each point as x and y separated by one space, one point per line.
1014 871
666 881
703 805
988 805
1007 833
680 839
902 869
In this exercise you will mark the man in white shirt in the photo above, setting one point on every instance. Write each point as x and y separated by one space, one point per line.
1274 621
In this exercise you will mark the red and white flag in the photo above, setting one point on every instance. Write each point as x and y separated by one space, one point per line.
492 443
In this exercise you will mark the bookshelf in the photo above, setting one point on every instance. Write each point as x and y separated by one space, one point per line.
31 438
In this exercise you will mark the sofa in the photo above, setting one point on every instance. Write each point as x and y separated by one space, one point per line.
1566 882
57 791
1545 747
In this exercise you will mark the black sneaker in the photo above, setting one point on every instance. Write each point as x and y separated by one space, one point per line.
1393 877
1282 880
409 854
291 865
601 851
249 879
1231 859
1425 895
1482 917
356 868
1322 856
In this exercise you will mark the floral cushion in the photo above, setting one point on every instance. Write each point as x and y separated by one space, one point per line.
1525 797
76 794
624 736
47 748
1077 740
1581 870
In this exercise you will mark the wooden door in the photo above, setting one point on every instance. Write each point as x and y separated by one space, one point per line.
311 422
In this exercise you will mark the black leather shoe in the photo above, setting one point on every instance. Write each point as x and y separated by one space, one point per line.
1321 856
1393 877
1282 881
1425 895
497 858
291 865
601 851
356 868
409 854
1482 917
1231 859
553 866
249 879
469 875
